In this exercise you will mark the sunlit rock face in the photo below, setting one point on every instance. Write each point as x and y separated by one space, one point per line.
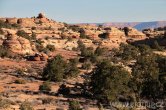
18 44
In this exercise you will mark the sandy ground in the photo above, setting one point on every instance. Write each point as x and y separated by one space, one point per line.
18 93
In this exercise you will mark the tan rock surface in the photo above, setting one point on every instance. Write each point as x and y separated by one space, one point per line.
135 34
18 44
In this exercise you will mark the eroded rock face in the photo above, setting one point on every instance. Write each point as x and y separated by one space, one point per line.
3 19
112 38
134 33
115 33
154 33
6 31
11 20
91 31
18 44
26 22
61 43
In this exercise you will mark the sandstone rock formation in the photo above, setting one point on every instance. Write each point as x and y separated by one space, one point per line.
6 31
61 34
114 33
112 38
61 43
26 22
91 31
11 20
18 44
134 33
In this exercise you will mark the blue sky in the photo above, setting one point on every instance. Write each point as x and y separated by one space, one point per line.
87 11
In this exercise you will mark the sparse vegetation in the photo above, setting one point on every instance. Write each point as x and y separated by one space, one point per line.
128 52
4 103
87 65
50 47
7 25
74 105
4 52
33 36
71 68
47 100
20 81
23 34
157 46
46 86
26 106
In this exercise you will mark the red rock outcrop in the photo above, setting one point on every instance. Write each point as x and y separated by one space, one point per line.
18 44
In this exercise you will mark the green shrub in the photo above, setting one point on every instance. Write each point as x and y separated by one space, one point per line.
9 26
75 49
46 86
128 52
157 46
26 106
4 52
33 36
83 35
86 65
20 71
100 51
57 69
50 47
47 100
87 52
1 32
109 81
71 68
74 105
145 77
23 34
20 81
4 103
